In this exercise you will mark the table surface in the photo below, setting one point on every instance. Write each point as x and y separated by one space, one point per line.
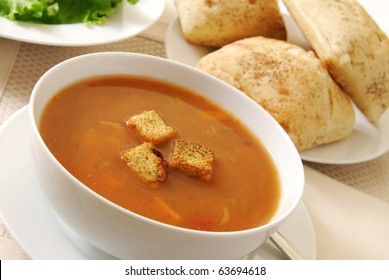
31 61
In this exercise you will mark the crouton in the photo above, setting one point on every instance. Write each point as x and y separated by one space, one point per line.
147 162
151 127
192 159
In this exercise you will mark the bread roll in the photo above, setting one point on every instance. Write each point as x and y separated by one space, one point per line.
219 22
352 46
290 83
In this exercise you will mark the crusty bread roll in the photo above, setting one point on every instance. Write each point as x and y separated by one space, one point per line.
219 22
290 83
352 46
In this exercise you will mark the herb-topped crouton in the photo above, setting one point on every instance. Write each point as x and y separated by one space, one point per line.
151 127
192 159
147 162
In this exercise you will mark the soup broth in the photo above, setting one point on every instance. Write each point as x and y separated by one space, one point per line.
84 127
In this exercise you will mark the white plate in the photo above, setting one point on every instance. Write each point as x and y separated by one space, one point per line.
129 20
366 141
28 217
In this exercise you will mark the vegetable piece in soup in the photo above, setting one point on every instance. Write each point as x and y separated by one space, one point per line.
84 126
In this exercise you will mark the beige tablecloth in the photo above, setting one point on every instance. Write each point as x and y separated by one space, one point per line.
348 204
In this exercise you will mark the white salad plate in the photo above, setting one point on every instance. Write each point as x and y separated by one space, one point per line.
128 21
29 218
366 142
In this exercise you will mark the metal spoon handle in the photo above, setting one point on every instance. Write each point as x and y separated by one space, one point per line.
285 247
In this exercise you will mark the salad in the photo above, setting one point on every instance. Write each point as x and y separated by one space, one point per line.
60 11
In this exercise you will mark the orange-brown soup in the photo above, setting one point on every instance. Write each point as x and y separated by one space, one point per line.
84 127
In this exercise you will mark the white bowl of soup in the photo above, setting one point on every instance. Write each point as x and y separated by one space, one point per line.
80 112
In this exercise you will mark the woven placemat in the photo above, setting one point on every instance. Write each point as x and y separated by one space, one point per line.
370 177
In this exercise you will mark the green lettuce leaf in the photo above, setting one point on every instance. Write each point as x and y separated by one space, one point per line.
60 11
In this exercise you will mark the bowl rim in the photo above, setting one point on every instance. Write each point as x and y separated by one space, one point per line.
271 224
